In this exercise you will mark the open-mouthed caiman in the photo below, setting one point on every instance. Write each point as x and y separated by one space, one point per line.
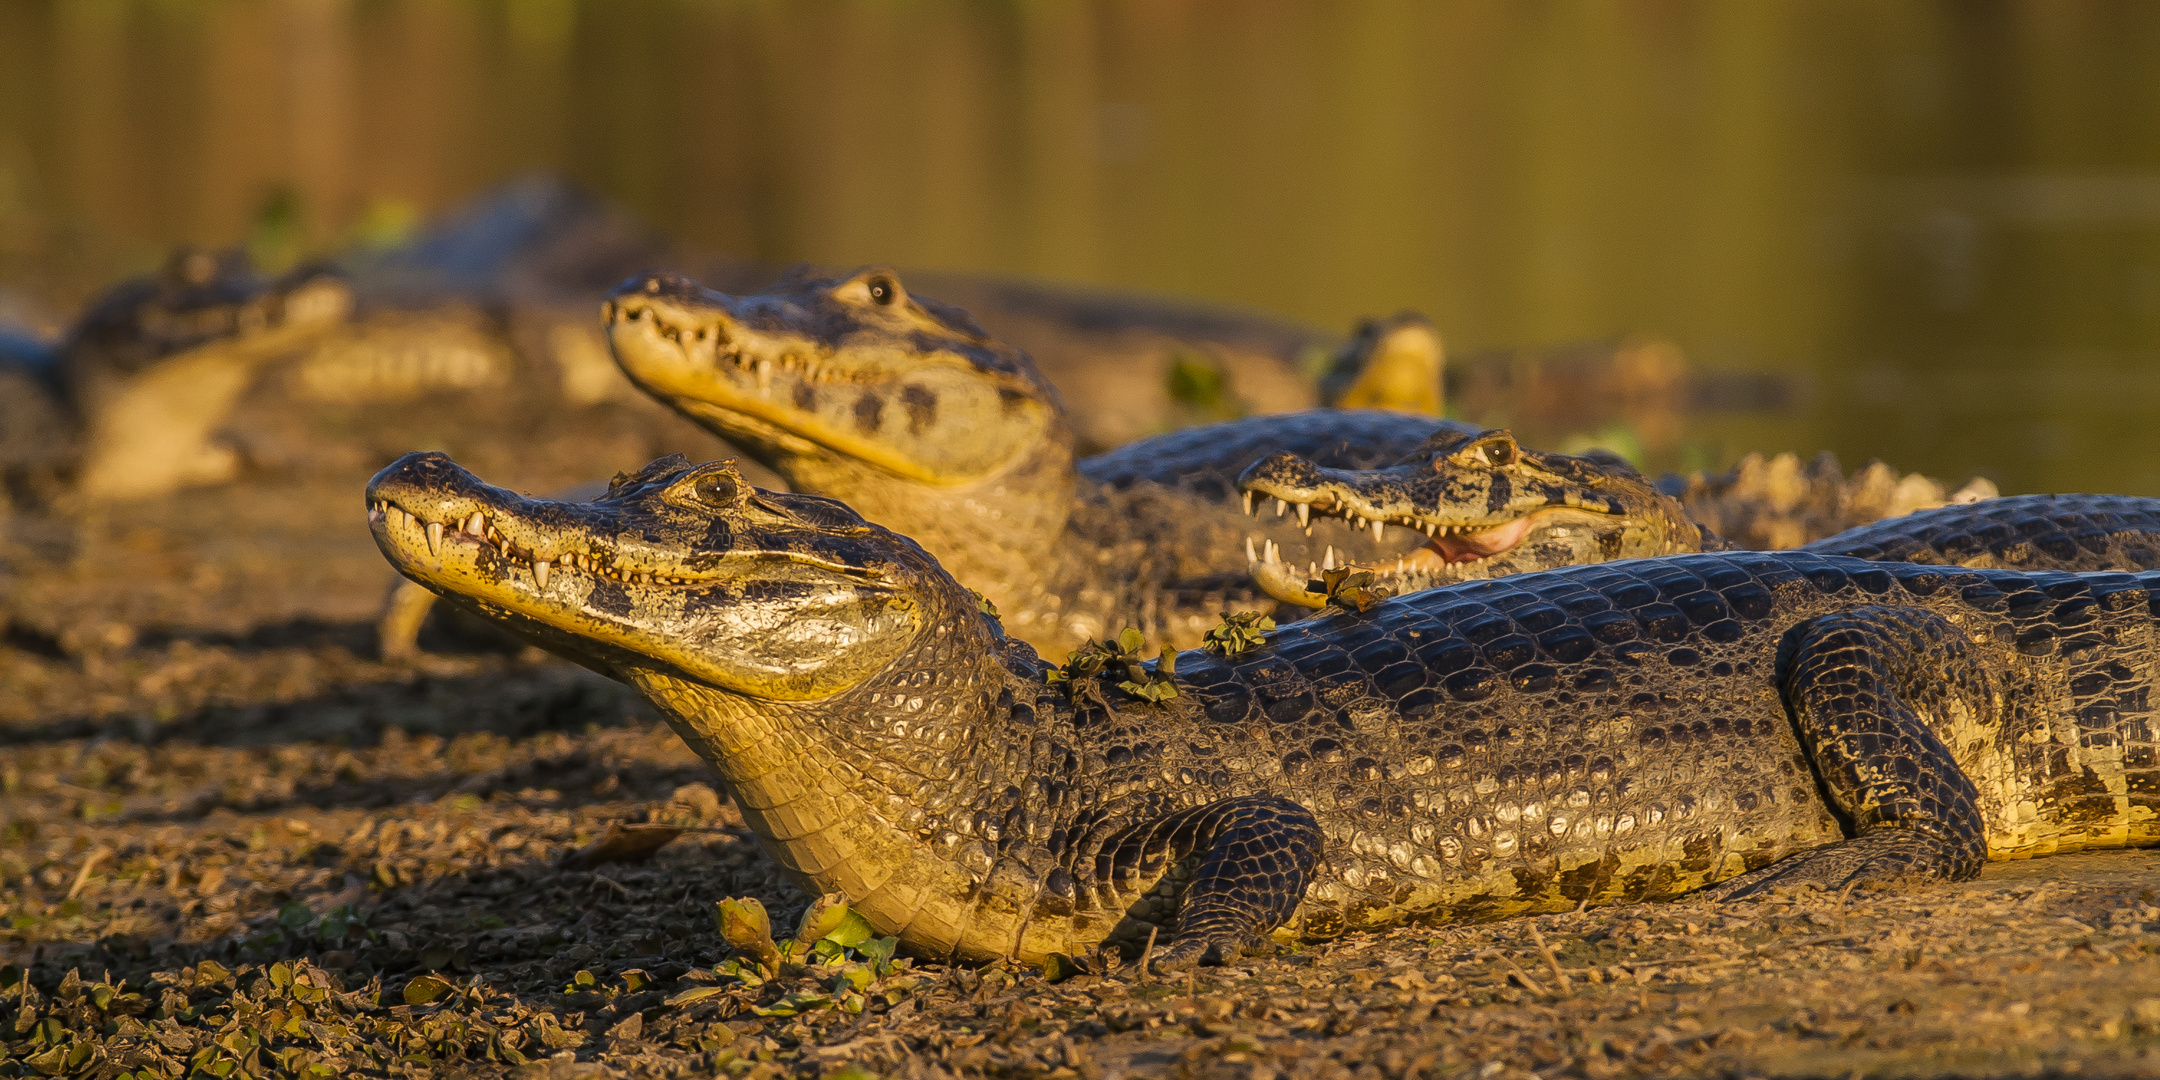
1469 506
905 409
1616 732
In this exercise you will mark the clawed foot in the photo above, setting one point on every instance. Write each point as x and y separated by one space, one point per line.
1186 954
1874 862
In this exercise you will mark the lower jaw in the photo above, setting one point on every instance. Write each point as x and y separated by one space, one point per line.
1287 583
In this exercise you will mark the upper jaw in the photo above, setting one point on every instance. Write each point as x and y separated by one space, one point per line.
424 504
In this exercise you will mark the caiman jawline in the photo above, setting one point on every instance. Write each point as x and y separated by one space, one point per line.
1459 546
725 348
479 528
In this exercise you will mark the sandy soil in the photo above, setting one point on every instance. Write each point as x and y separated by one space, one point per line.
233 842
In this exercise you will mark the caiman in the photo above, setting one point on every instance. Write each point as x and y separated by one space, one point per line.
1468 506
155 367
1619 732
901 406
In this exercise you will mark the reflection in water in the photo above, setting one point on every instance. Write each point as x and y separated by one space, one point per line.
1945 219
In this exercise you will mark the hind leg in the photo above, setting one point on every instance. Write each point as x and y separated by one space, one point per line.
1868 689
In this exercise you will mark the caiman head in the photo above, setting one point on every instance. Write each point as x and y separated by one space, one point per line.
839 681
680 572
1393 363
1476 506
840 383
155 367
201 298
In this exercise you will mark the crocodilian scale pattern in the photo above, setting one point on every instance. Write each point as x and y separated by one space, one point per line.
1604 733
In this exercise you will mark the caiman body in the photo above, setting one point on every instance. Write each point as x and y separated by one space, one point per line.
1608 733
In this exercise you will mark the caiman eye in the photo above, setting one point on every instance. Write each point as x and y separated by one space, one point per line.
720 489
883 291
1496 449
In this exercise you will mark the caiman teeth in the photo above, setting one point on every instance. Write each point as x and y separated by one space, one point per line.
478 527
1304 515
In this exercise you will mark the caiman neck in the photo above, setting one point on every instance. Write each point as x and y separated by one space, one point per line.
995 534
882 792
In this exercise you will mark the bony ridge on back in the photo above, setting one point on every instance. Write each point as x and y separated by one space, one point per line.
1618 732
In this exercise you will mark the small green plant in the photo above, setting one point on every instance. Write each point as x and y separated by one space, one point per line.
1347 589
1238 634
832 939
1119 657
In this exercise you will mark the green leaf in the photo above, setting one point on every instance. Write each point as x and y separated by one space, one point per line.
1060 967
428 989
853 931
281 976
878 953
1130 640
294 915
825 915
696 994
745 925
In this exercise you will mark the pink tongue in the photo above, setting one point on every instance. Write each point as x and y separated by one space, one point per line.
1465 547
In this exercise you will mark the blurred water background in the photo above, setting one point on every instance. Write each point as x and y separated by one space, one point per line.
1939 221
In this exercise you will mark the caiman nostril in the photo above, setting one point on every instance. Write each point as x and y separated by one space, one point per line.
652 285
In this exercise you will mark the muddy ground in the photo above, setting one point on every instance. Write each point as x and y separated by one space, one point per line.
233 842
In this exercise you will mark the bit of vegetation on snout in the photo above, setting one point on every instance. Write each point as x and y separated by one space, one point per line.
1119 657
1238 634
1347 589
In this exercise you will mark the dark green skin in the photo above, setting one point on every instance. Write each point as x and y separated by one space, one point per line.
1601 734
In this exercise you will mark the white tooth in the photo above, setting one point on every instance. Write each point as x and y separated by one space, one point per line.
1377 526
764 374
1269 553
1431 528
540 572
1327 561
1312 570
1304 515
434 537
1248 504
1250 554
1398 564
476 524
1280 506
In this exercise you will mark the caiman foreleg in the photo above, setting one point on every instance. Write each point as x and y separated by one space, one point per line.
1862 687
1256 854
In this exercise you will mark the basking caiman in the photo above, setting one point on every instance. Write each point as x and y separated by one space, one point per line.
1608 733
901 406
1469 506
